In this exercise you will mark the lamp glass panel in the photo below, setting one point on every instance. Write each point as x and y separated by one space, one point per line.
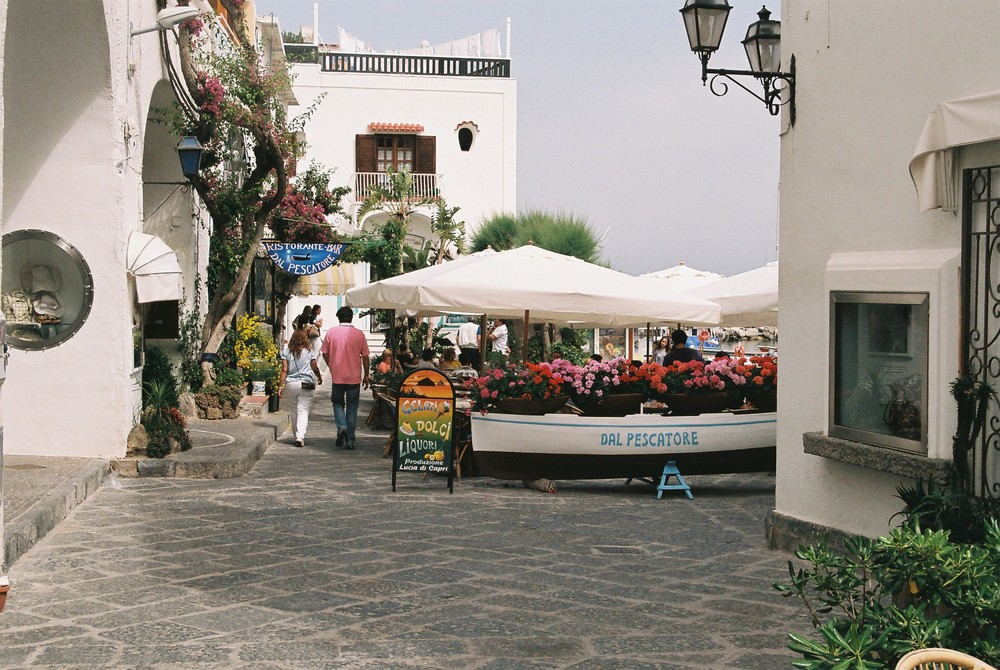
763 46
705 22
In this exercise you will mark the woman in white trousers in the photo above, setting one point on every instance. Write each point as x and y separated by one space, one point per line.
299 377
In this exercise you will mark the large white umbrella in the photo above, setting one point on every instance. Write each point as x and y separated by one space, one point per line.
747 299
683 277
531 282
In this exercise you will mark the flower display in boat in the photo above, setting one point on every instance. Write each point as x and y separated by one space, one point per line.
532 381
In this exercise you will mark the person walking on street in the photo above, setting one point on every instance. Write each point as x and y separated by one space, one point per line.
346 353
299 376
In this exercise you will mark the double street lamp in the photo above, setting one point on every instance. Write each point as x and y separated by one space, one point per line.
705 21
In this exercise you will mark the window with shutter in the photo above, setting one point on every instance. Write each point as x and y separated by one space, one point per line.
364 153
426 154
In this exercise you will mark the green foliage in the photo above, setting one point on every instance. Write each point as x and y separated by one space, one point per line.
973 399
572 345
191 346
883 598
159 371
161 418
228 376
228 395
950 509
499 232
562 233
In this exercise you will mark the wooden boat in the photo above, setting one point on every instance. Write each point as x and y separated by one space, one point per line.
566 446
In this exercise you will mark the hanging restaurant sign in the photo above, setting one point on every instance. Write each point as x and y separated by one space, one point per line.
304 259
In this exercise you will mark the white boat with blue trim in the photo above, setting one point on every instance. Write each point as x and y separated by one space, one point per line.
567 446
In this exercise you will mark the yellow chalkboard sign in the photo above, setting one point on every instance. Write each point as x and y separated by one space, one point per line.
425 412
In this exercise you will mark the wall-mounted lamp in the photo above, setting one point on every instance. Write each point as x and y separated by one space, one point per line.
705 21
168 18
189 151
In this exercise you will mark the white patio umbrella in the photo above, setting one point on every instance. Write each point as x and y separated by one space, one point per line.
531 282
155 267
683 277
747 299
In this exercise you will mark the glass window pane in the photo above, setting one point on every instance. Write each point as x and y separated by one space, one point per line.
880 369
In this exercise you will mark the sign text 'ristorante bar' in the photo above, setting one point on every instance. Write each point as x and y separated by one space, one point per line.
304 259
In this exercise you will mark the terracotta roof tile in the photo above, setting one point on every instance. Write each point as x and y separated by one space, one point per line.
382 127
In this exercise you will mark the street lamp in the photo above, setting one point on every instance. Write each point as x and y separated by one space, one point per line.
189 151
168 18
705 21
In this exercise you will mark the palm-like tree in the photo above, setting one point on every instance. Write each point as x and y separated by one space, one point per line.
396 198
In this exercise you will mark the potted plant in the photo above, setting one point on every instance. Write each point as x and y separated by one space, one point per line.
701 388
536 388
761 375
605 388
257 354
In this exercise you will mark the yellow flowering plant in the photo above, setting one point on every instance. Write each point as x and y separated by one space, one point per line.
256 351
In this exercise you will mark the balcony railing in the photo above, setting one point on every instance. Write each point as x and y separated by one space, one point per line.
424 185
443 66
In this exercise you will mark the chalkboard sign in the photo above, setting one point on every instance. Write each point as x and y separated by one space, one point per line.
425 412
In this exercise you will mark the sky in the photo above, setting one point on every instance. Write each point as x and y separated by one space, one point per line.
614 125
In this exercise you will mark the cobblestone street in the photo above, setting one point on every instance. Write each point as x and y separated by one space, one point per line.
311 561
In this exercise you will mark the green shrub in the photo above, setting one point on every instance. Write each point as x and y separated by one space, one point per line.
159 370
162 420
884 598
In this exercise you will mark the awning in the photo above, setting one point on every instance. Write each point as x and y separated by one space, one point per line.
335 280
951 124
155 268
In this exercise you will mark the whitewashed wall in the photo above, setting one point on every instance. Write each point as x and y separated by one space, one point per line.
74 168
481 181
867 76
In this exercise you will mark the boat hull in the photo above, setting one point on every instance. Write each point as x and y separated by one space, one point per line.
564 446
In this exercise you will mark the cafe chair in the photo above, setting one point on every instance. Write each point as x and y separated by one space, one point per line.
940 659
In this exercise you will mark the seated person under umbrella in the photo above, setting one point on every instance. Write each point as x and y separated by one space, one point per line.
680 351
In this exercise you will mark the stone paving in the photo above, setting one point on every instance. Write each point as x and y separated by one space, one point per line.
310 561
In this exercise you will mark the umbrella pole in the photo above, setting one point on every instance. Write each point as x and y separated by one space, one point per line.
392 338
648 350
482 343
524 345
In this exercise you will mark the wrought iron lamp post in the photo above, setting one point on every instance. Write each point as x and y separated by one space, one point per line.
705 21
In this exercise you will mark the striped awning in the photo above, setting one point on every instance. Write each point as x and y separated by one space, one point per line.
335 280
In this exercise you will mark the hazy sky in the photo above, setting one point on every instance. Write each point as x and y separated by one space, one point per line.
613 122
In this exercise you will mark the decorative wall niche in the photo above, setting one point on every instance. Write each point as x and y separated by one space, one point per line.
467 133
47 289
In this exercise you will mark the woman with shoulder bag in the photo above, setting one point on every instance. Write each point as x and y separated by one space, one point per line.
299 376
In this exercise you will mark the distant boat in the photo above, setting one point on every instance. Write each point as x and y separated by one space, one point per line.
566 446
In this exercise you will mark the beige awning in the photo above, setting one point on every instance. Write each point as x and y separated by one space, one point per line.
155 268
335 280
951 124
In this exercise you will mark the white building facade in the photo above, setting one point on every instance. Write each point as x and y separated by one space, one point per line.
882 304
86 166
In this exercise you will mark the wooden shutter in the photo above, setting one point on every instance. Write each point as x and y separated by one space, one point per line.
364 153
426 162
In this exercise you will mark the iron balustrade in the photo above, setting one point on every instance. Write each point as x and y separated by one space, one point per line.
424 185
442 66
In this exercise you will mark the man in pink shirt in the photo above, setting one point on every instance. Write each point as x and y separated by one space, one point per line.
346 353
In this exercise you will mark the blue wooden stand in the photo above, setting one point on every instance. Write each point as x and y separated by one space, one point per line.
670 469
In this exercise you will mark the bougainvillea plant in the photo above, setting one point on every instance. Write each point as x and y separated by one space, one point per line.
237 112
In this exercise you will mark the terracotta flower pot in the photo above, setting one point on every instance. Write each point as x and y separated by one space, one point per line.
619 404
766 400
692 404
532 406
